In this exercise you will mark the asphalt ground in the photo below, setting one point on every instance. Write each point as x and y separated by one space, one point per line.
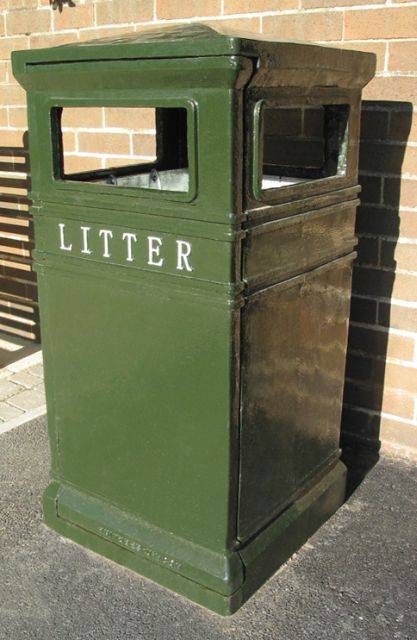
355 578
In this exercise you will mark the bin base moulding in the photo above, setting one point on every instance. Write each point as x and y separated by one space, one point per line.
220 582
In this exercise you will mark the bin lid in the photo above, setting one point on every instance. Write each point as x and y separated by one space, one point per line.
183 40
200 40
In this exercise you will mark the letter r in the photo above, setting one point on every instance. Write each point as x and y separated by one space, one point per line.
183 253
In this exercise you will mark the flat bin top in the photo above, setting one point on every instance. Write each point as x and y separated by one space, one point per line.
200 40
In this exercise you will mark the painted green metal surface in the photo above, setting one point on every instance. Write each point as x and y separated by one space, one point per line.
194 342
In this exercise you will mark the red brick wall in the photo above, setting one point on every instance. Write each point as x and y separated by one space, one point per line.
381 386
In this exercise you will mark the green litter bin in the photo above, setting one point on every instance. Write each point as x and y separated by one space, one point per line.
194 304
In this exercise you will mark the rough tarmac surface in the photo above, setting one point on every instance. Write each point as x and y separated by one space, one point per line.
355 578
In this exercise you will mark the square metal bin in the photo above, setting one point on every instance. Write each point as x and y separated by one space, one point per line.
194 306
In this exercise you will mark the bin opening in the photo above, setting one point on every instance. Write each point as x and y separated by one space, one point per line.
303 143
133 147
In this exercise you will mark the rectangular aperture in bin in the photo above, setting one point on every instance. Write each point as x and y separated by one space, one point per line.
301 143
137 147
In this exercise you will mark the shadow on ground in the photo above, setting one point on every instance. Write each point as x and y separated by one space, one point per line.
13 348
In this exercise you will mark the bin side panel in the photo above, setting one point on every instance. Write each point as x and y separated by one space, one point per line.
293 360
139 401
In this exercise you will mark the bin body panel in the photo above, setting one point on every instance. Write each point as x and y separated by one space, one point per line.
140 399
280 249
293 359
81 241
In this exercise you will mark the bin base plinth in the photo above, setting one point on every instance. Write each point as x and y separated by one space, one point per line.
221 582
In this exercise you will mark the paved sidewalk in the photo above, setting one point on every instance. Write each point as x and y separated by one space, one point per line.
353 580
22 393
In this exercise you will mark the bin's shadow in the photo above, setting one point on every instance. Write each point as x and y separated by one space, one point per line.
18 290
384 133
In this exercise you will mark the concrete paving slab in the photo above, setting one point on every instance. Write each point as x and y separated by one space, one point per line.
36 370
8 388
25 379
26 361
28 399
354 579
7 411
22 394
